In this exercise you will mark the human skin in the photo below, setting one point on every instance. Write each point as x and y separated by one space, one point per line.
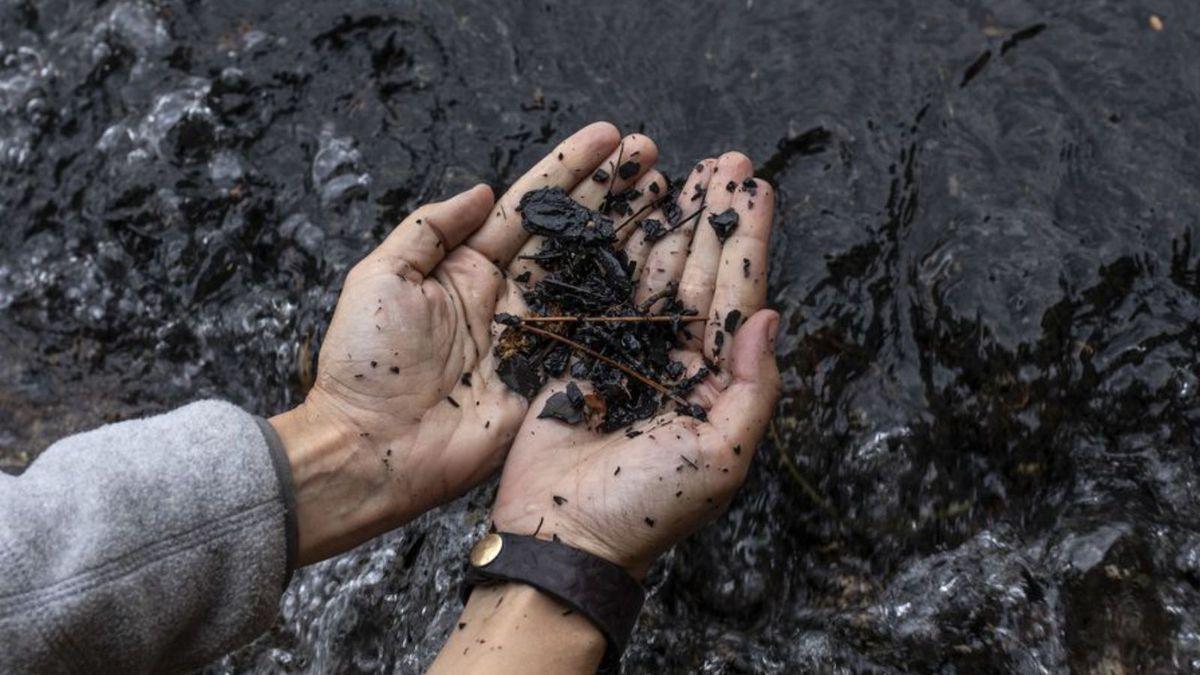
630 499
407 411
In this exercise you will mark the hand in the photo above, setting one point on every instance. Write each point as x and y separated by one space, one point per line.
407 411
630 499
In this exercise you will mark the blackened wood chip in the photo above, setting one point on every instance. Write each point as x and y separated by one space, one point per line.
628 170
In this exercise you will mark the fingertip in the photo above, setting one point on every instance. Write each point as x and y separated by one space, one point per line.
602 131
754 341
647 149
472 204
734 162
484 191
653 177
771 331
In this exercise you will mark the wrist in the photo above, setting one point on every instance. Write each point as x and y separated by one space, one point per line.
342 496
515 628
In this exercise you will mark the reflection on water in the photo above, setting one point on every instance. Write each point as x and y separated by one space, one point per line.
985 456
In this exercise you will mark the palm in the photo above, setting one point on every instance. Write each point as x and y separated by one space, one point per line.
670 455
396 354
626 495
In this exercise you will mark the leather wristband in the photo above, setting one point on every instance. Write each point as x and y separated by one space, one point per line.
587 584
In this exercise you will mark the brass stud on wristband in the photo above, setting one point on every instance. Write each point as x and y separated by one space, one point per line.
486 550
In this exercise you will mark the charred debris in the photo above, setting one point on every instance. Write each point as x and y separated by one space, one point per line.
584 323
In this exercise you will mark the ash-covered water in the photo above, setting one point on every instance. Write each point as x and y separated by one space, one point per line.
985 457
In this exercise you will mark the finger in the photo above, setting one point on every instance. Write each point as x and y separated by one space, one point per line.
635 155
649 189
699 278
420 242
573 160
741 287
742 411
476 286
665 261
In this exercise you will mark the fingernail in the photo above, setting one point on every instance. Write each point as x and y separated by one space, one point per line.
772 329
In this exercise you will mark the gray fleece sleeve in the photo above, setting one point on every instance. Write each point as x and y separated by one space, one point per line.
150 545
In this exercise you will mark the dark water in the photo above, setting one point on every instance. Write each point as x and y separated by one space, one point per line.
988 262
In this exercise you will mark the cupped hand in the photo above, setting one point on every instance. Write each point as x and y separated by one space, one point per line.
629 495
407 411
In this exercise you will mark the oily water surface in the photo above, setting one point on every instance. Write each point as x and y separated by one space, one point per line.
987 260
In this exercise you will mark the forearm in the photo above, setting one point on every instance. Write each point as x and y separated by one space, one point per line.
514 628
341 496
153 544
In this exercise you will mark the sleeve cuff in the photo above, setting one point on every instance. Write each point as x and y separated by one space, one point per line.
283 472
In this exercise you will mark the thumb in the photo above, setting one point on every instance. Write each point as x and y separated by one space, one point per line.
430 232
742 411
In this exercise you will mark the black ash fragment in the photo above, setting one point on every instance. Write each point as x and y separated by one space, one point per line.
693 410
731 185
724 223
565 406
559 501
746 268
685 386
600 176
632 433
551 212
523 277
732 320
628 170
520 375
465 379
751 186
653 229
649 521
452 401
737 449
506 319
675 370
